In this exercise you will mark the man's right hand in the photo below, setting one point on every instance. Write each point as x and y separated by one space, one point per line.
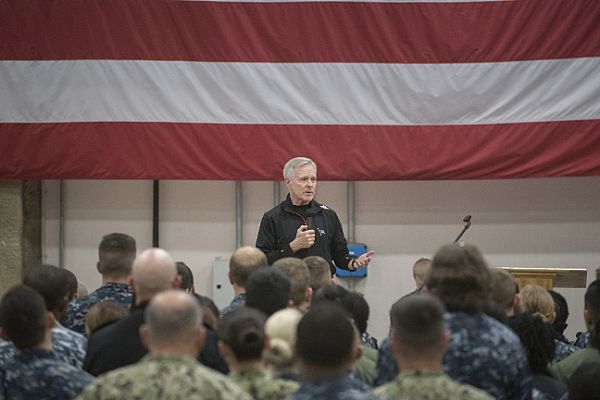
305 238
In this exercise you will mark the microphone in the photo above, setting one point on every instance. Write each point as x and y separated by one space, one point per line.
310 214
467 221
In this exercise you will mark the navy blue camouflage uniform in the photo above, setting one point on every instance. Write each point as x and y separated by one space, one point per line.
78 308
69 346
39 374
236 303
346 388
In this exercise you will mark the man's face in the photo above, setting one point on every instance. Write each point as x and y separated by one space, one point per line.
302 186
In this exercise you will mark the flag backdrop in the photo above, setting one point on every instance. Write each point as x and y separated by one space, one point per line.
370 90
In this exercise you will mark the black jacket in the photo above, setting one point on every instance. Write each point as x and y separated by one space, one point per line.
279 225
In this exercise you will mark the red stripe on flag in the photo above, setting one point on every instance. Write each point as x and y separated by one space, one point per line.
299 31
257 152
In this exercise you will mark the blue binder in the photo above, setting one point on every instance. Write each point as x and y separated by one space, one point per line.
355 249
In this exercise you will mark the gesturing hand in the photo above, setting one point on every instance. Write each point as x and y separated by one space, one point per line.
305 238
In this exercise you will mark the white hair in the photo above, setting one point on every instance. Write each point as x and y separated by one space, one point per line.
291 165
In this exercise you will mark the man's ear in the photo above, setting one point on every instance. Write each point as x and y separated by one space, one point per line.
144 336
229 277
99 267
176 284
50 320
309 293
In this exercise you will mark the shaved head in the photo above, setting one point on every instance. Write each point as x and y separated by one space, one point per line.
153 271
173 316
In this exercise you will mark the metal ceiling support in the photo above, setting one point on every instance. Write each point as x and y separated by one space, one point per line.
61 225
239 215
155 213
351 210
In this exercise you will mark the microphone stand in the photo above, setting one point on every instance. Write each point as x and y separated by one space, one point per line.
467 221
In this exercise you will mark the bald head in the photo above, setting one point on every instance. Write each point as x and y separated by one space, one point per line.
243 262
172 318
153 271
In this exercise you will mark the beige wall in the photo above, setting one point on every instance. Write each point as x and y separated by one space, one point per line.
533 222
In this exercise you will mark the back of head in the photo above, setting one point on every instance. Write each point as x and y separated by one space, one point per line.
592 306
418 324
318 268
536 300
210 311
116 253
334 294
325 337
23 317
173 316
460 277
153 271
268 290
360 311
281 331
561 308
187 277
584 383
503 289
296 162
421 268
537 339
72 284
243 262
243 331
103 313
297 272
52 283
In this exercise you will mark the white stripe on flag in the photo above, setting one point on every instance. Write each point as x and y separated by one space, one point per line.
302 93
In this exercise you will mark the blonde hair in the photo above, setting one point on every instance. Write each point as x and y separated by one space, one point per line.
281 330
536 300
102 313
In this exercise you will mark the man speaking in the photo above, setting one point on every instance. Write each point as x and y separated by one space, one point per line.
301 227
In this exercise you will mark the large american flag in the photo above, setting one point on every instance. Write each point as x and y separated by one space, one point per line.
371 90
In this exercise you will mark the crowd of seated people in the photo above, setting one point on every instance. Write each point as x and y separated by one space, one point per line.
290 332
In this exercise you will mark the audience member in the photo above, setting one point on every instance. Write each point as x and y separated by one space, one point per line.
242 341
268 290
365 365
72 283
537 301
35 372
52 283
360 314
119 344
537 338
103 314
420 269
320 275
564 369
280 356
297 272
115 255
504 291
327 346
174 335
561 310
243 262
585 382
418 343
210 356
187 277
481 351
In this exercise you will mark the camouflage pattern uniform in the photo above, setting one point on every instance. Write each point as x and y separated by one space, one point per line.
69 346
486 354
563 350
386 369
39 374
236 303
164 377
582 340
369 340
78 308
428 385
345 388
261 385
564 369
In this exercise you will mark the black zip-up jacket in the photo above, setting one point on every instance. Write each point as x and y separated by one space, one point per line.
279 225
